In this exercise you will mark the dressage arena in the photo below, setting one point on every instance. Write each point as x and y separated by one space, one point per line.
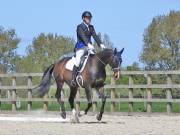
38 123
32 121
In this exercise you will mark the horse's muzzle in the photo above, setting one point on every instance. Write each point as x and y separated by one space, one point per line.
116 74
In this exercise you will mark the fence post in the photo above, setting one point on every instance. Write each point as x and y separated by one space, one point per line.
149 95
169 94
130 107
94 100
78 100
113 94
9 95
13 93
144 98
29 93
0 92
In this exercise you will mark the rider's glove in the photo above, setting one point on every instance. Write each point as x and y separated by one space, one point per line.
102 46
90 46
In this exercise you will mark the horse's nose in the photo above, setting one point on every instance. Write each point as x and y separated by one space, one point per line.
116 75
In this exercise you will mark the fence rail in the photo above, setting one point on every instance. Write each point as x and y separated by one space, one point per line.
113 87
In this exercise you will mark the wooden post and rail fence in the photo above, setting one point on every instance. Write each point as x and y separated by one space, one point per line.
112 87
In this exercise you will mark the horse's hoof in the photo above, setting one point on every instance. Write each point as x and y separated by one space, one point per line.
77 120
74 120
81 113
99 117
63 115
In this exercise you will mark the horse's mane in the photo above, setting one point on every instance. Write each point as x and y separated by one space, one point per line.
104 52
100 54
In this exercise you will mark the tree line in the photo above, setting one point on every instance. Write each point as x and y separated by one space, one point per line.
161 48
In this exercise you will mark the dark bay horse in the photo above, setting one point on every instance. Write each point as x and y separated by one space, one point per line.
93 75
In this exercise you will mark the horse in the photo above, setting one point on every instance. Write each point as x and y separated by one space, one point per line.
93 74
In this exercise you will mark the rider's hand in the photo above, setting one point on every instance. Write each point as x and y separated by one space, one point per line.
102 46
90 46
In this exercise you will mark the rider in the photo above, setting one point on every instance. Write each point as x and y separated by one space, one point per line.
84 32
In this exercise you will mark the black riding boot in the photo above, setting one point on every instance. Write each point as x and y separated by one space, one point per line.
74 74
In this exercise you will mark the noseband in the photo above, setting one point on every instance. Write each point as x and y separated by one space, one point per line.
116 69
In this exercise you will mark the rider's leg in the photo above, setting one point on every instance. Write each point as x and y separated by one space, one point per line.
77 61
74 74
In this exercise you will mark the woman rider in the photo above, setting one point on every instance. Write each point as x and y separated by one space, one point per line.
84 32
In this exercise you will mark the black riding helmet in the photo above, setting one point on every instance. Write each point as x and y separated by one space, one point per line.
86 14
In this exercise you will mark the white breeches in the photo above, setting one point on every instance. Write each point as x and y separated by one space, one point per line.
79 54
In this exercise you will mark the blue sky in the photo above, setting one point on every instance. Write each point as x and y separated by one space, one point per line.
124 21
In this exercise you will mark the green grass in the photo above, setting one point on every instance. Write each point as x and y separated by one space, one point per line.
159 107
5 106
119 107
176 107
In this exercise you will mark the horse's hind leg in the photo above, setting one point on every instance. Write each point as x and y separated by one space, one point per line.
58 96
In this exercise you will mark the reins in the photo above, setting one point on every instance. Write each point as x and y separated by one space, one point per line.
100 60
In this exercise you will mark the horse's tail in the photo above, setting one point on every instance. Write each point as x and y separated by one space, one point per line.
46 81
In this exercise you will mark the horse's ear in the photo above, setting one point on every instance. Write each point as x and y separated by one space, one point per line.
120 52
115 51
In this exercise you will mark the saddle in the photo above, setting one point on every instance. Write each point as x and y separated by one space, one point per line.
70 64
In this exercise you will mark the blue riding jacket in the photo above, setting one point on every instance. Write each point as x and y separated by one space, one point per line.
84 33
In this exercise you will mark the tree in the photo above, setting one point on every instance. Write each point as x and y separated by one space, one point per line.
134 67
8 45
161 50
106 41
45 50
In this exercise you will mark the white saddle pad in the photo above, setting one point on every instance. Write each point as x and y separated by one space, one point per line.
70 64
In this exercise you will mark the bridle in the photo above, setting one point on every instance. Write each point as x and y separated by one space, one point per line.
113 69
116 69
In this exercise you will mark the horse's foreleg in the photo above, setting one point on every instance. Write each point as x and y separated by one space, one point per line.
58 96
71 102
101 95
89 99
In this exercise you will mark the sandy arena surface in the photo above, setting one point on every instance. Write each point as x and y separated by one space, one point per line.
110 125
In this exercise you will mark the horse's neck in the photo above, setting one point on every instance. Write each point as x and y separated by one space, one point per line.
104 57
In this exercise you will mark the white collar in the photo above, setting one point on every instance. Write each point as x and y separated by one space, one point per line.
86 24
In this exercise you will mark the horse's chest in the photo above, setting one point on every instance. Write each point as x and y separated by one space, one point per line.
100 78
101 75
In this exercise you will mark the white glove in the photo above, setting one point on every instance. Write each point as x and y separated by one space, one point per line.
90 46
102 46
